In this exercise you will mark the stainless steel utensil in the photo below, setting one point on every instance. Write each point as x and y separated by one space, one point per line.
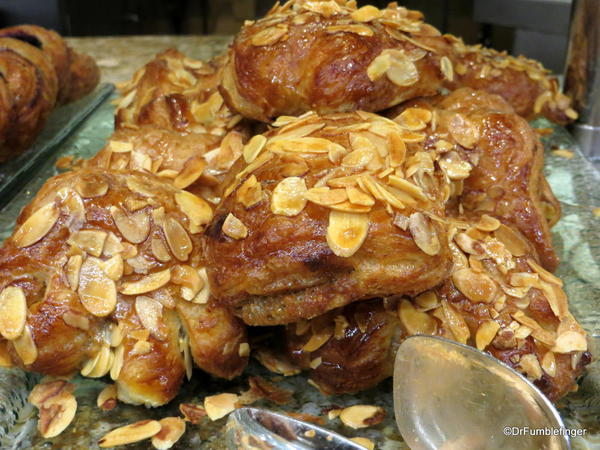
259 428
451 396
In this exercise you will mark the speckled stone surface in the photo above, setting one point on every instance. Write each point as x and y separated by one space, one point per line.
120 56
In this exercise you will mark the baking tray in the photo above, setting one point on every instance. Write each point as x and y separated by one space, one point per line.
61 123
577 237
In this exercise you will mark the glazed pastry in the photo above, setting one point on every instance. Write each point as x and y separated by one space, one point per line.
498 299
331 57
327 210
104 274
176 93
522 82
52 45
33 85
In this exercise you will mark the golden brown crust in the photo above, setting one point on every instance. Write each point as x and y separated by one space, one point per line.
496 301
52 44
329 58
100 260
522 82
293 263
84 76
32 83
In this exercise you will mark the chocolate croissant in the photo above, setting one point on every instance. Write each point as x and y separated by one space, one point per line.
105 274
37 72
498 299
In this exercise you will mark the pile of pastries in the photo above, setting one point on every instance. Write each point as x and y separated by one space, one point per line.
341 179
38 71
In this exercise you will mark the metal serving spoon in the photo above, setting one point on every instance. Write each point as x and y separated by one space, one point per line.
446 396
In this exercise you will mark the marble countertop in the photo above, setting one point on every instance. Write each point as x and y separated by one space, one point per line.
120 56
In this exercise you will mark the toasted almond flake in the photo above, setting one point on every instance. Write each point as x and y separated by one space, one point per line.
549 364
160 251
56 414
150 311
102 363
90 241
196 209
316 362
192 413
72 270
317 340
36 226
326 196
25 346
172 428
141 348
90 186
13 312
190 280
477 287
402 71
362 416
97 291
234 227
541 100
401 221
112 245
486 333
379 66
134 227
147 283
250 192
204 294
269 36
463 130
44 391
346 232
192 169
447 69
131 433
303 145
570 341
350 208
454 166
117 364
416 322
488 223
116 334
456 323
76 320
361 30
289 197
177 238
414 119
254 147
107 399
424 233
366 14
563 153
120 147
364 442
397 149
218 406
427 301
544 336
530 365
514 242
406 186
358 197
244 350
358 158
544 274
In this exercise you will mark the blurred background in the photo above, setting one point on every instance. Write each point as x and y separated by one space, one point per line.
535 28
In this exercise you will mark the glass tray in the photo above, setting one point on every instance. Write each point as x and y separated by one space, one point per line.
577 238
63 120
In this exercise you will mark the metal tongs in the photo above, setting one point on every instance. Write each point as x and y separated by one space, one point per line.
446 396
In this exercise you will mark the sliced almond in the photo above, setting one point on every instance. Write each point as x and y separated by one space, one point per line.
113 267
325 196
44 391
107 399
192 413
254 147
402 71
97 292
455 323
549 364
486 333
447 69
179 241
244 350
134 227
218 406
477 287
141 348
159 250
13 312
76 320
570 341
112 245
463 130
367 13
346 232
150 311
25 346
172 428
249 193
416 322
192 170
56 414
189 279
289 197
117 363
147 283
530 365
91 185
90 241
364 442
414 119
36 226
362 416
361 30
396 149
196 209
379 66
234 227
269 36
358 197
423 233
102 363
204 294
514 242
131 433
72 270
303 145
